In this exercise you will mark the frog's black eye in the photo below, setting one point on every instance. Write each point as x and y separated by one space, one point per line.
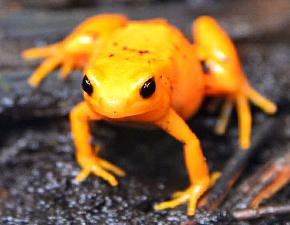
148 88
205 67
87 86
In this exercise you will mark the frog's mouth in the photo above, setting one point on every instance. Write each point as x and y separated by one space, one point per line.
117 110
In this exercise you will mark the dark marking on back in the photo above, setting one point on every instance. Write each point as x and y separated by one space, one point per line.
176 47
143 52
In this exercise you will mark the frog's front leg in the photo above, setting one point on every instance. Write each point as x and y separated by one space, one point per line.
86 157
195 162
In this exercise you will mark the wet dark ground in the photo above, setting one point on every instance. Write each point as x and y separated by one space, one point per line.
37 155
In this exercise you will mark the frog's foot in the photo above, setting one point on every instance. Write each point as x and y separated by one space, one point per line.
100 167
213 178
190 195
54 56
241 99
47 66
244 113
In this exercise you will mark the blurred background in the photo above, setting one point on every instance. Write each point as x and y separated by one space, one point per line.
37 164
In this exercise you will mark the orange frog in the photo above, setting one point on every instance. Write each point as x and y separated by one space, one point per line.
147 72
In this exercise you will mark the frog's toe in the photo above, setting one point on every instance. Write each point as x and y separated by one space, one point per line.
44 69
34 53
190 195
111 167
83 175
224 117
100 168
265 104
214 177
98 171
177 194
178 199
244 113
66 68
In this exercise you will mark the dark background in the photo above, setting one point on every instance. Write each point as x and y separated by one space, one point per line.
37 164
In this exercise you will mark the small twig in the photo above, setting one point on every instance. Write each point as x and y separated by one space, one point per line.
235 166
272 177
246 214
265 182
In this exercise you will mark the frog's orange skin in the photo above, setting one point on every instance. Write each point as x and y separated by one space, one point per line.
118 56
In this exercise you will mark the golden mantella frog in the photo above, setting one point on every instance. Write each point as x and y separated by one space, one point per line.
148 72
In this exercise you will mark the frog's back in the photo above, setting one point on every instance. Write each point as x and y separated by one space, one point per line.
139 39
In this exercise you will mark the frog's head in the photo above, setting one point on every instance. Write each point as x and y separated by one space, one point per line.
123 90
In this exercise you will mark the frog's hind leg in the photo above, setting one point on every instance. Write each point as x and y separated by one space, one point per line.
53 58
224 76
75 50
